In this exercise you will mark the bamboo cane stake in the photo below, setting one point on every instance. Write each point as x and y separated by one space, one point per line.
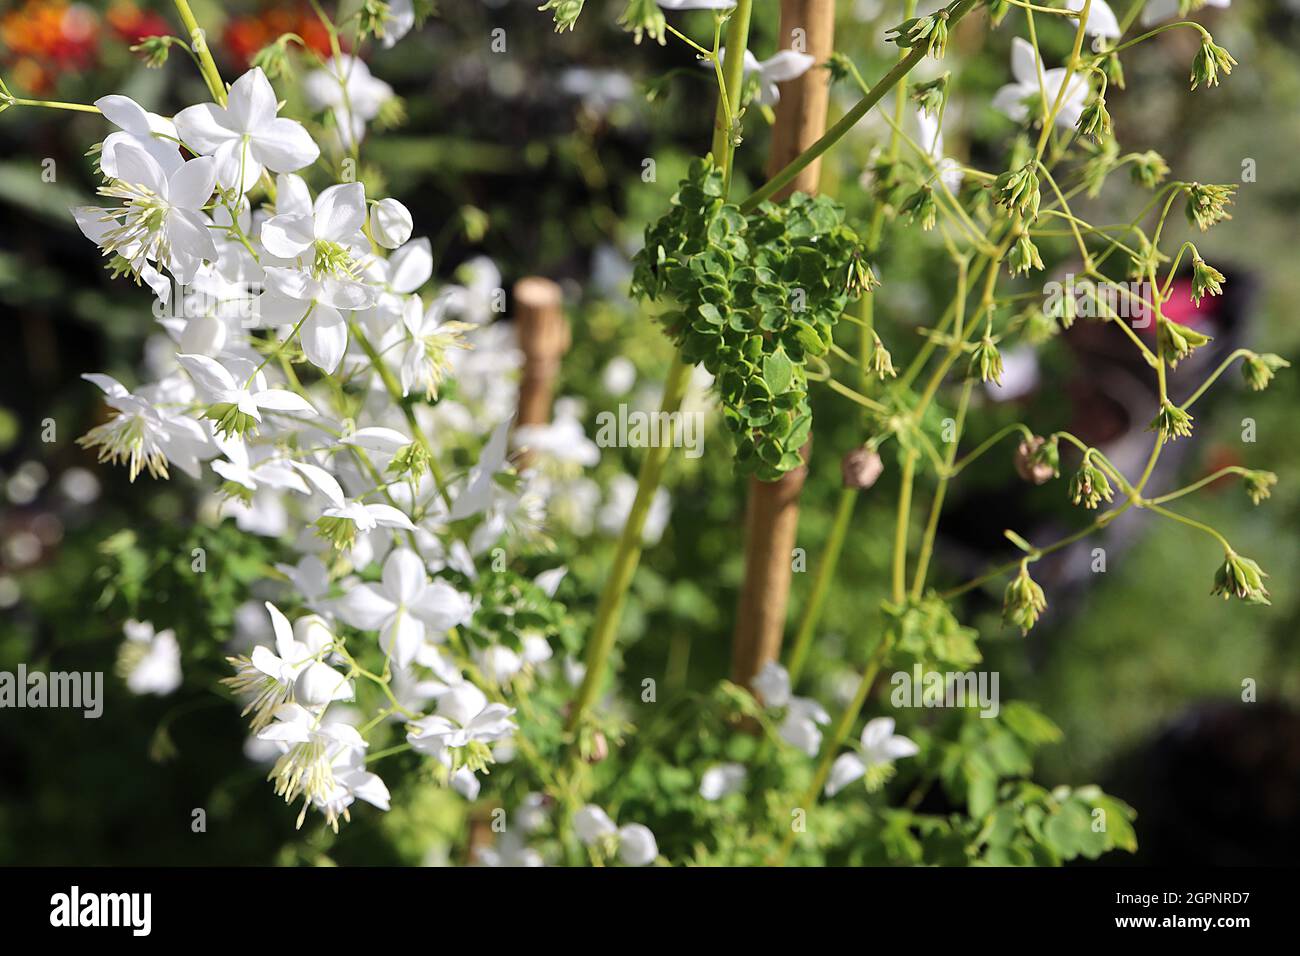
543 338
772 513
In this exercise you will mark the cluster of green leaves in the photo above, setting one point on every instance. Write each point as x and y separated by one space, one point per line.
757 295
511 607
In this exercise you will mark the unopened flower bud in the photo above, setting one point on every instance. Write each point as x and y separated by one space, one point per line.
1259 485
1171 422
390 223
1242 578
861 468
1090 486
1038 460
1179 341
1023 601
1258 370
1206 280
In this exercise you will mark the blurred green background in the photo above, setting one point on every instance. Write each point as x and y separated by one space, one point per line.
1140 666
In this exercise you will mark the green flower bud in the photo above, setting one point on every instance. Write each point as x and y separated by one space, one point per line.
1258 370
565 12
230 421
1171 422
920 205
986 361
881 364
154 51
1206 280
1241 577
931 31
1211 60
1178 341
1019 190
1207 205
643 17
1024 256
1089 486
1094 121
929 97
1259 485
1149 169
1023 601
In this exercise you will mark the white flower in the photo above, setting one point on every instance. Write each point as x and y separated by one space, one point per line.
319 762
155 134
398 23
150 662
1157 10
618 505
464 717
390 223
696 4
274 678
346 87
803 717
510 851
931 140
562 442
1102 23
245 136
425 361
635 843
772 685
1014 99
618 376
240 469
722 779
161 219
249 399
403 604
144 436
592 824
784 65
480 295
880 746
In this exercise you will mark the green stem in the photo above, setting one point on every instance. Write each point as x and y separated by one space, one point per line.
822 583
207 65
849 120
628 553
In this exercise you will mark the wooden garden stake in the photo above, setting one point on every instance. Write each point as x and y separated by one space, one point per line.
772 514
543 338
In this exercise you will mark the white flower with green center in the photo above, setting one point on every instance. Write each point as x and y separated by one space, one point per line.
295 672
880 747
464 721
314 762
245 136
161 218
425 362
346 87
237 408
343 519
144 437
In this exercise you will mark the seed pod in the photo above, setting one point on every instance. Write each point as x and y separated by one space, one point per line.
861 468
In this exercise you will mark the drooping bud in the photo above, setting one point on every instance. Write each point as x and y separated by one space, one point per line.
1038 460
1023 601
861 468
1242 578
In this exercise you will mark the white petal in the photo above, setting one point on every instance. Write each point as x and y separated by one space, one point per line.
191 186
324 337
786 65
390 517
846 769
390 223
340 212
251 103
364 607
322 481
404 576
282 400
1024 64
287 236
283 145
207 373
202 128
411 266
